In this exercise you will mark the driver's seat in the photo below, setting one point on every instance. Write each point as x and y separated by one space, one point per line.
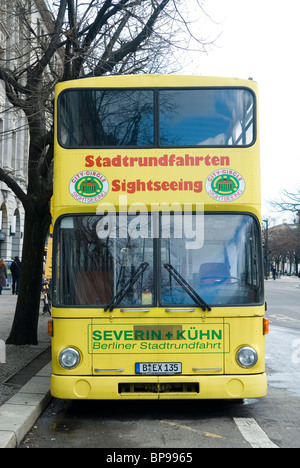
210 272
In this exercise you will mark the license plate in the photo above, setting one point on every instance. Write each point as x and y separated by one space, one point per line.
158 368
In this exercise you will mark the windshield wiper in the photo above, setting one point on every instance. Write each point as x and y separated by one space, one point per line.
120 295
186 286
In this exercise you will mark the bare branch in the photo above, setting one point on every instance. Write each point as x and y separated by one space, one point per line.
14 186
46 57
290 201
131 46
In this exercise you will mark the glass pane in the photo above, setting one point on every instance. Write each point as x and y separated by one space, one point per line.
225 269
98 257
206 117
95 118
109 261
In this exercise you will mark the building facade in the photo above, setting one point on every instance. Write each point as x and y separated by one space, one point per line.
14 141
20 39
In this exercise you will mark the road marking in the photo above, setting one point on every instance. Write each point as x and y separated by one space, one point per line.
183 426
253 433
283 318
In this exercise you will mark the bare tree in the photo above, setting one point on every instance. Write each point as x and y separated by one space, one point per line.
74 40
289 201
284 244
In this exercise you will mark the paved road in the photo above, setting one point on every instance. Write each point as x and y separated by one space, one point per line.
283 302
283 342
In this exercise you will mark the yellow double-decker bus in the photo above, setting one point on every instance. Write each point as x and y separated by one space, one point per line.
157 265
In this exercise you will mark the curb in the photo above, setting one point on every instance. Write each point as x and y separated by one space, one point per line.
19 413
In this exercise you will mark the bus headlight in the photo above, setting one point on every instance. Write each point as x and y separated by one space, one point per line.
246 357
69 358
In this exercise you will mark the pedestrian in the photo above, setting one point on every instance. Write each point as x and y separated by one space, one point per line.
3 274
273 269
15 269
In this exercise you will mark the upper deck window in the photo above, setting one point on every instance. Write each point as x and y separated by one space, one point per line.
206 117
95 118
190 117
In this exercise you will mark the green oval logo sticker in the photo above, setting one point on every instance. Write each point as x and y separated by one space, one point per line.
225 185
88 186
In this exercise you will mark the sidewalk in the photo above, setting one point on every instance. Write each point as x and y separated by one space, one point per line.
292 280
22 396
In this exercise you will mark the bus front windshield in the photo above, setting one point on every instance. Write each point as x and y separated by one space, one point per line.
148 261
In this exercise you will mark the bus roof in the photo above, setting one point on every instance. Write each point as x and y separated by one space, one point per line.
124 81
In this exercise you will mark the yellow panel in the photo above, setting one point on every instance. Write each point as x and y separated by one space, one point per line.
150 176
71 333
245 332
158 313
198 346
207 387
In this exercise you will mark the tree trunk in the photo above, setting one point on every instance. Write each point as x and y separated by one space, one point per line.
25 325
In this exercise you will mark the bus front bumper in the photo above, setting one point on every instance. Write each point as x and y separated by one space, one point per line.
154 387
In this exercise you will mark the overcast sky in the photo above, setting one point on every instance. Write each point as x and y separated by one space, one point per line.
261 39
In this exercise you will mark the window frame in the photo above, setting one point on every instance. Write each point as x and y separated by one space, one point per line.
157 268
156 120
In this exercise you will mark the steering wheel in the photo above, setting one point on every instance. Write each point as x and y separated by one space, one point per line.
220 279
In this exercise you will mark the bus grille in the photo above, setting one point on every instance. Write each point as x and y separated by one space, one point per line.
143 387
